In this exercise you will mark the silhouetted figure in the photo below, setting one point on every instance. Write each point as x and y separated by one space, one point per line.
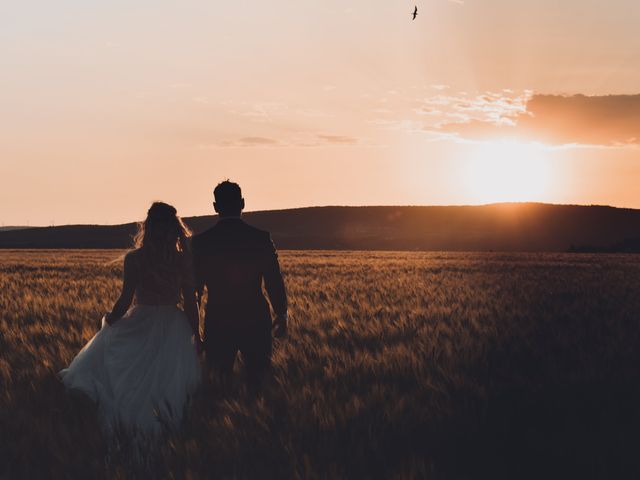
415 12
232 259
142 366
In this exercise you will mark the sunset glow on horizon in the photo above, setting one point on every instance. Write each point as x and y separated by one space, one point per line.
107 106
507 171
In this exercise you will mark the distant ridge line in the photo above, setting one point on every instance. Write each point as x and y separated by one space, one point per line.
492 227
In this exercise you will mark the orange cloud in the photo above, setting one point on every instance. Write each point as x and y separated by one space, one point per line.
250 142
339 139
610 120
304 140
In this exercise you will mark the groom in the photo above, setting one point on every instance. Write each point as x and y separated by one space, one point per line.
232 259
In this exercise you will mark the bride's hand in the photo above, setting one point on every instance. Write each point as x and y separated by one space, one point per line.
198 344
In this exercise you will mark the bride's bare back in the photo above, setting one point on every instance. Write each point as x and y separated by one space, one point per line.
160 270
160 283
156 283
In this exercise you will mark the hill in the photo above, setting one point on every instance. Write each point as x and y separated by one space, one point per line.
6 229
497 227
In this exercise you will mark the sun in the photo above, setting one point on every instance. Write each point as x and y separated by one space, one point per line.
507 171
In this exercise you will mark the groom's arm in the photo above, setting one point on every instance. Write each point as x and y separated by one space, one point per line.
274 284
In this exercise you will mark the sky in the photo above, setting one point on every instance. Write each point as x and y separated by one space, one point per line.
107 106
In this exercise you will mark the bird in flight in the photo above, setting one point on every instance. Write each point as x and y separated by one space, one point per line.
415 12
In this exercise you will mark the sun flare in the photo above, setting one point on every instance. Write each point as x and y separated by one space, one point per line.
507 172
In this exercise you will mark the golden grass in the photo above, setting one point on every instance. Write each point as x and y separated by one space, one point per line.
398 365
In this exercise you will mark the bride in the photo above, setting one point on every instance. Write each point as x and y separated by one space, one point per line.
142 366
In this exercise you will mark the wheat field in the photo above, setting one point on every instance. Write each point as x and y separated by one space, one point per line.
398 365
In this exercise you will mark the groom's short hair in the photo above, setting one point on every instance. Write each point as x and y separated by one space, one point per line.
228 196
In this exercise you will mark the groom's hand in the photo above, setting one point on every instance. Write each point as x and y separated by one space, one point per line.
280 326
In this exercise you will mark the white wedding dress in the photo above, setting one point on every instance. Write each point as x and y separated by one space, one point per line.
140 371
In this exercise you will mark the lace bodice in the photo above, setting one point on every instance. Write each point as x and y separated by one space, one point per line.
161 283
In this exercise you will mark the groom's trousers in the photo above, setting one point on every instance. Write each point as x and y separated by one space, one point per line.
226 334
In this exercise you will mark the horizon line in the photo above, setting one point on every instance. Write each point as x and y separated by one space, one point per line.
25 227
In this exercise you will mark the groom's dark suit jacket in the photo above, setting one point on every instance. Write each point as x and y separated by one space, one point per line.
232 259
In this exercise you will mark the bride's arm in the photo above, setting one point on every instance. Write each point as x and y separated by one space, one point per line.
128 289
189 295
191 310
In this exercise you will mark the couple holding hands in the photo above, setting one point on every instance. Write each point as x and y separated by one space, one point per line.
142 366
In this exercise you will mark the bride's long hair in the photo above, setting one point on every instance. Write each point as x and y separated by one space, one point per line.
162 238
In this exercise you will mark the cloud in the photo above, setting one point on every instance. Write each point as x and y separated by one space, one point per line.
435 112
338 139
300 140
259 141
246 142
265 111
611 120
497 107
